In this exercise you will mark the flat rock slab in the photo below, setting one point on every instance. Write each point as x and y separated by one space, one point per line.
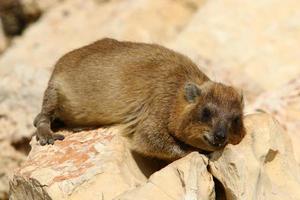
98 164
57 171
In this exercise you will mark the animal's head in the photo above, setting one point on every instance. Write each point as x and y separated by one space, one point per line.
208 116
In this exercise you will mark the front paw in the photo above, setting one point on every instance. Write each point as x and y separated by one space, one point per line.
45 136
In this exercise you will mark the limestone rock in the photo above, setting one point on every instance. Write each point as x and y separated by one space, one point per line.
9 160
284 104
186 179
257 40
262 166
98 164
250 44
16 15
84 162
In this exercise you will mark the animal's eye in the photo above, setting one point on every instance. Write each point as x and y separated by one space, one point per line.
206 114
236 120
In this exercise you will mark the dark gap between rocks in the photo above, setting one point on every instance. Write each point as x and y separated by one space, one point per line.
22 145
148 165
219 190
219 187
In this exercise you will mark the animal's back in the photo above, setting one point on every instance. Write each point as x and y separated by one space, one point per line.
111 82
167 105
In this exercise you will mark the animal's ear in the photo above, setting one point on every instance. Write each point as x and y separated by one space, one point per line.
191 92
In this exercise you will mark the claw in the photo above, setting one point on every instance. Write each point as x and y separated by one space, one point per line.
46 136
37 137
43 141
58 137
51 141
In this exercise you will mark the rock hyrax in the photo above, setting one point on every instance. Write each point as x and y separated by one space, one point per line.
166 104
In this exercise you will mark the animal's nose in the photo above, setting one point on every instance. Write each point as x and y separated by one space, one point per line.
220 136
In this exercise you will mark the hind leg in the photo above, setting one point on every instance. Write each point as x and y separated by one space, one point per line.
42 122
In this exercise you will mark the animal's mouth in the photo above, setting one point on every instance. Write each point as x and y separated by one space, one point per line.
212 142
188 147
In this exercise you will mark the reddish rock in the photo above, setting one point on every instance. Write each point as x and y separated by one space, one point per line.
98 164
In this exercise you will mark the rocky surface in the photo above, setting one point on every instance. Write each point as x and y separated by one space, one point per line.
95 159
186 178
98 164
3 40
250 44
262 166
10 159
16 15
254 39
284 104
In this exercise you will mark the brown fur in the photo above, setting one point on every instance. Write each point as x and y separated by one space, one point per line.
156 93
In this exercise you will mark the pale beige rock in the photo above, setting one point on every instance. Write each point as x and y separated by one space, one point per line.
16 15
250 44
284 104
71 169
98 164
9 160
184 179
262 166
257 40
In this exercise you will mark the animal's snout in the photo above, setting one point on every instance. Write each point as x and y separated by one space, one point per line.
220 135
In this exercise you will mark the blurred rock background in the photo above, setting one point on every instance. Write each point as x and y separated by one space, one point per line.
251 44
